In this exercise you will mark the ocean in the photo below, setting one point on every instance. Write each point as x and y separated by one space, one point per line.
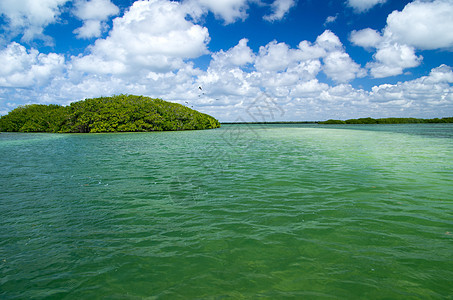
240 212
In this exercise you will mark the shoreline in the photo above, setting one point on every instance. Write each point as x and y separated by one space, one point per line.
359 121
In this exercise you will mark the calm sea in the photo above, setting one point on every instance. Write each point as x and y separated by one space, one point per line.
244 211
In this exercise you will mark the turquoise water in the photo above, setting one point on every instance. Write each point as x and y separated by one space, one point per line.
244 211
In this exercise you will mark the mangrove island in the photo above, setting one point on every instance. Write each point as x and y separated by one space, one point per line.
120 113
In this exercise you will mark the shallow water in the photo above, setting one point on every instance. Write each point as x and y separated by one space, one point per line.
244 211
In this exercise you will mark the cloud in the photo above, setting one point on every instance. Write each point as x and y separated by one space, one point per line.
441 74
23 69
341 68
90 29
329 41
338 65
277 69
311 88
427 94
225 79
279 9
149 51
282 84
231 11
238 56
310 51
420 25
361 6
29 17
93 13
330 19
95 9
228 10
293 84
151 36
366 38
393 59
230 91
423 25
426 97
275 57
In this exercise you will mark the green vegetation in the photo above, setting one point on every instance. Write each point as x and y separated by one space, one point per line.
388 121
122 113
357 121
273 122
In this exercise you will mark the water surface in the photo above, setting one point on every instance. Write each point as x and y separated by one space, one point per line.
244 211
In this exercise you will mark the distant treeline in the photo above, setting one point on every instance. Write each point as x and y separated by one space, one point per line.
121 113
276 122
388 121
358 121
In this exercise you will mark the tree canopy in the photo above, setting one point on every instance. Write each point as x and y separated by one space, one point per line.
121 113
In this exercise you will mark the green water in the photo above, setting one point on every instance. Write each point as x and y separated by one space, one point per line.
244 211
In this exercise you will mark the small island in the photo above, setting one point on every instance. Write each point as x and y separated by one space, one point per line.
120 113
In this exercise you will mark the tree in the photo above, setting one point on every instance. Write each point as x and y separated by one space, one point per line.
107 114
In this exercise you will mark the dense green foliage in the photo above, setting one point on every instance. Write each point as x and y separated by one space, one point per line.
388 121
122 113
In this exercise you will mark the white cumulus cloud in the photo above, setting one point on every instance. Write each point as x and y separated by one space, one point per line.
338 65
366 38
441 74
329 41
22 68
30 17
93 13
361 6
239 55
424 25
231 11
311 88
330 19
421 25
279 9
228 10
341 68
275 57
151 36
428 94
393 59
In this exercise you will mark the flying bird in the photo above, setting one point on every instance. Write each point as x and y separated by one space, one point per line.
200 88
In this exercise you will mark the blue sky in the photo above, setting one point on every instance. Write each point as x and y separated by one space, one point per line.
303 60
